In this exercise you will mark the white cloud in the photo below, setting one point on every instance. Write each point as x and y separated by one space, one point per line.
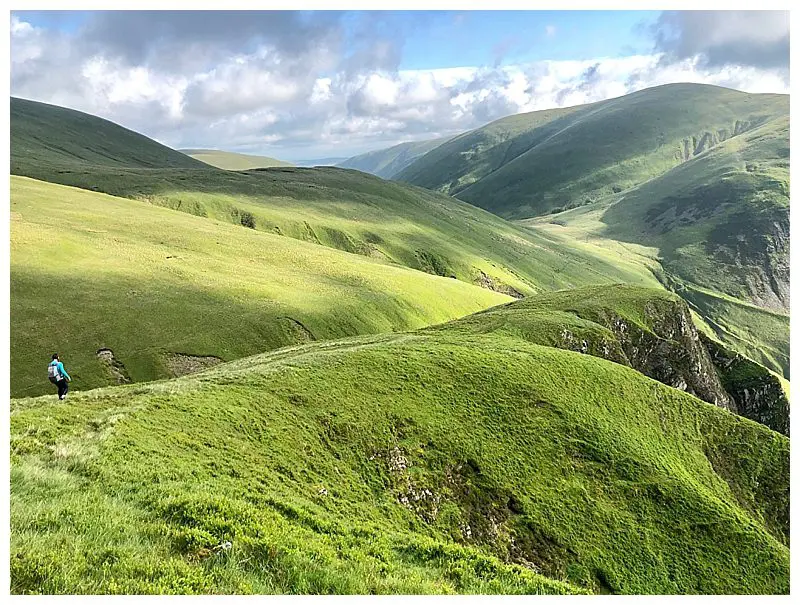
550 31
285 97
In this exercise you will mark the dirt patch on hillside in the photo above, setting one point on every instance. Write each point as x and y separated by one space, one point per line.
113 366
180 364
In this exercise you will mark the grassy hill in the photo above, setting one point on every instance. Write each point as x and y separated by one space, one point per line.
390 222
228 160
528 164
52 137
719 226
386 163
437 461
651 331
160 288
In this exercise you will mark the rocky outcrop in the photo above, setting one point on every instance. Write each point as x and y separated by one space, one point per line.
667 348
756 392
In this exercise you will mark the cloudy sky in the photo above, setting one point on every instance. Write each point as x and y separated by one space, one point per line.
305 85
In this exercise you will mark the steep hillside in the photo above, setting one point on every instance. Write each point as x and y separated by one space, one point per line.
51 137
528 164
651 331
358 213
719 226
428 462
386 163
127 291
227 160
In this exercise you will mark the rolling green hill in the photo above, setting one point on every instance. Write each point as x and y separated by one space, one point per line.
719 225
228 160
386 163
389 222
455 459
162 289
528 164
52 137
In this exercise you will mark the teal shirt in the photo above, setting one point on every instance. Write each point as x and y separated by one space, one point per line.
61 371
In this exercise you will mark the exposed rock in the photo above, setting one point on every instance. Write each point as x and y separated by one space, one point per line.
669 351
484 281
756 392
113 366
297 331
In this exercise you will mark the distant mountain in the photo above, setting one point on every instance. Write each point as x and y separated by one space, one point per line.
388 162
528 164
228 160
719 226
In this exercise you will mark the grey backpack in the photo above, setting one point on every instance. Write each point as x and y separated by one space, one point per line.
52 372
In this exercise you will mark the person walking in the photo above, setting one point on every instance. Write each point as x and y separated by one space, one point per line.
58 376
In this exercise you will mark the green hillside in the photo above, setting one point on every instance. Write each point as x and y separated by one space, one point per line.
228 160
160 288
386 163
438 461
528 164
719 226
54 137
389 222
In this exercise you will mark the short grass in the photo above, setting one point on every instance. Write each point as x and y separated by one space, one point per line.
527 165
91 271
56 136
715 230
428 462
228 160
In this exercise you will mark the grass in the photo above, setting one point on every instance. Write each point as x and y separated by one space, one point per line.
714 230
56 136
228 160
338 208
425 462
90 271
527 165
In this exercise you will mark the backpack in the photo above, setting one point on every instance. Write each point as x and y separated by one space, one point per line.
53 373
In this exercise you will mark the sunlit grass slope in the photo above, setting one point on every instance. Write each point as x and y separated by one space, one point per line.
228 160
716 229
437 461
90 271
338 208
528 164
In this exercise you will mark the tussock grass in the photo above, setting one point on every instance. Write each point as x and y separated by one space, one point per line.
429 462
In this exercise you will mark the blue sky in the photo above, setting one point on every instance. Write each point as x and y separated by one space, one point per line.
440 39
299 85
481 37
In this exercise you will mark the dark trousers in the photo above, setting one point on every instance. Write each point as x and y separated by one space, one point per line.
63 387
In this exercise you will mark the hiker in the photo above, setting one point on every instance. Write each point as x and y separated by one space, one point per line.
58 376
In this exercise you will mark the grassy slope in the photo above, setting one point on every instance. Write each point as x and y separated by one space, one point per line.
718 226
228 160
425 462
386 163
90 271
527 164
345 209
49 136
